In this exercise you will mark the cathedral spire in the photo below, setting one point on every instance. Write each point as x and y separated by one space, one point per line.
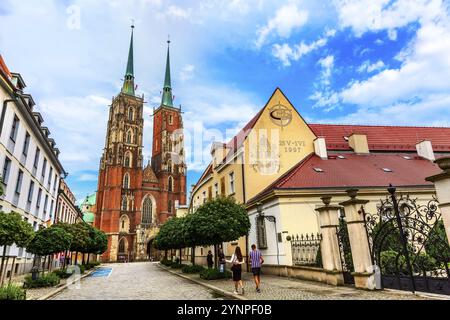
167 98
128 84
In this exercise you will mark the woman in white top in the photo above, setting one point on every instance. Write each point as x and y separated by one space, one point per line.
237 260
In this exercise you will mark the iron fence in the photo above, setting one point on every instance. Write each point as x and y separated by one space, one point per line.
306 250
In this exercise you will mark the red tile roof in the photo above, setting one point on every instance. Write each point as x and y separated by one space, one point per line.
4 67
384 138
356 171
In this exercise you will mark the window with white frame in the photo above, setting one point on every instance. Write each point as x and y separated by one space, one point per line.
232 185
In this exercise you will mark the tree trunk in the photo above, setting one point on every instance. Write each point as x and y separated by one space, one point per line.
89 256
193 256
65 258
216 261
84 257
181 257
165 254
76 258
43 266
3 261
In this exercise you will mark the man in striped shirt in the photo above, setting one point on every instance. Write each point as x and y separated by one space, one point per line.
256 260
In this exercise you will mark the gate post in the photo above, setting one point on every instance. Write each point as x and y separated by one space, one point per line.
442 185
331 257
359 243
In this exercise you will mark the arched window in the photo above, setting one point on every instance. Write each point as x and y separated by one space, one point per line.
122 245
126 181
128 160
130 136
124 204
130 114
124 224
147 211
170 185
169 166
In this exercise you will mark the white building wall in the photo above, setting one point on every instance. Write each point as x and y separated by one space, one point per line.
10 201
270 254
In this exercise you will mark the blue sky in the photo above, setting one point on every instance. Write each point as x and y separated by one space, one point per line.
379 62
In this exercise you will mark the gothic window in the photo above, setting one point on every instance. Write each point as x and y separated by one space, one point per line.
126 181
122 245
261 232
147 211
129 136
124 204
124 224
130 114
128 160
170 186
170 119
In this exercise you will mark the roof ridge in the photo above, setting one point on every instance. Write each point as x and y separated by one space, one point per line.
375 126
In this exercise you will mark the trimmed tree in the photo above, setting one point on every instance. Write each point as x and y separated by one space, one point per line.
219 220
50 241
80 241
97 241
13 230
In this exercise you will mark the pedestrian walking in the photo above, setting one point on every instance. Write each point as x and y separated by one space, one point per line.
210 260
256 260
222 260
237 260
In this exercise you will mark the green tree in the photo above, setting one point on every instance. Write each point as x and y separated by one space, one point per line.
217 221
97 242
437 245
80 241
13 230
50 241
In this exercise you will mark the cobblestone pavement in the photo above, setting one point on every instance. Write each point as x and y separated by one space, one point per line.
137 281
279 288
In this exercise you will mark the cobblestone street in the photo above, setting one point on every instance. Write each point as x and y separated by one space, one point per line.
150 281
137 281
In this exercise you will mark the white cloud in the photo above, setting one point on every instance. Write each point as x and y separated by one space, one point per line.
416 91
286 53
371 15
178 12
87 177
287 19
187 72
371 67
392 35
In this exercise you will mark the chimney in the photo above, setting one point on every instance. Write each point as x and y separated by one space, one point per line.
425 150
358 142
320 148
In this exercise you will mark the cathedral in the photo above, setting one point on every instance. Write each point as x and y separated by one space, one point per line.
135 198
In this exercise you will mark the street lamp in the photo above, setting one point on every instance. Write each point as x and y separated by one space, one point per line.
259 209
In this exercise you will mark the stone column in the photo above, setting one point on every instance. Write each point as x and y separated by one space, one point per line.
364 272
331 258
442 184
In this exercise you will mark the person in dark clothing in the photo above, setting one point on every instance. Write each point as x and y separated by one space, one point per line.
210 259
237 260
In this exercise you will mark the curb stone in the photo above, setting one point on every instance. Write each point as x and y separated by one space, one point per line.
63 287
218 290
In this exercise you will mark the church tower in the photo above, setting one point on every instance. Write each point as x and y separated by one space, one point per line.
120 176
168 156
132 201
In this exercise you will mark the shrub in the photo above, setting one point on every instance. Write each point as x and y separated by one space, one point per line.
391 262
424 263
12 292
63 274
177 265
82 268
166 262
48 280
192 269
214 274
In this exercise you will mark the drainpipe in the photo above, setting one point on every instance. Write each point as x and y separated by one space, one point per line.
244 200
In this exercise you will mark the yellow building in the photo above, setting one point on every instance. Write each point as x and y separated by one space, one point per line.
268 160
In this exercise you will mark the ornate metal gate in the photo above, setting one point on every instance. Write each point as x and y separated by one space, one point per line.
345 251
409 245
